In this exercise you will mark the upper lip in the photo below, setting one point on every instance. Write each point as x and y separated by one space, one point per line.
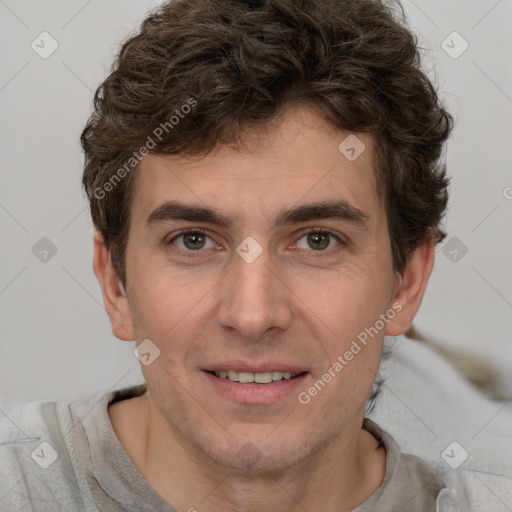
241 366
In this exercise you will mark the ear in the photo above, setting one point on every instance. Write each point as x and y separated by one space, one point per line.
114 294
410 288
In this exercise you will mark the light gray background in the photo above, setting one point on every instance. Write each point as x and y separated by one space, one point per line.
56 341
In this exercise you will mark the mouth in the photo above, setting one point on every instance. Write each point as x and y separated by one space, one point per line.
255 378
256 387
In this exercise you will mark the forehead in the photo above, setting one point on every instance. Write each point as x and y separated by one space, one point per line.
300 159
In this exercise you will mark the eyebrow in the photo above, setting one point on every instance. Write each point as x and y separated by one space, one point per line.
339 210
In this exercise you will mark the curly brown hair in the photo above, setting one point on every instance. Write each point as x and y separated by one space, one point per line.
199 71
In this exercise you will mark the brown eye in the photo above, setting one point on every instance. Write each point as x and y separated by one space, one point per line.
194 241
318 240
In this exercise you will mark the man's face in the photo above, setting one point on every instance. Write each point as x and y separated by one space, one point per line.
269 292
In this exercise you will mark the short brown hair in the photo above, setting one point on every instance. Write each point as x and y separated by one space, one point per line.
239 63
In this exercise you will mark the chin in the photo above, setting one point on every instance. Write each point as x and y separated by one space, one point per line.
262 453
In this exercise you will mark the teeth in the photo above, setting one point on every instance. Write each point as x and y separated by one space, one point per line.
259 378
244 377
263 378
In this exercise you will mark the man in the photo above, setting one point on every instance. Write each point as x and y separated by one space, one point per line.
266 185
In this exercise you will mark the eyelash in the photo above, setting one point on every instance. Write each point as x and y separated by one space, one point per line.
319 254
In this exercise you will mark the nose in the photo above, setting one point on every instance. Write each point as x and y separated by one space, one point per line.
254 298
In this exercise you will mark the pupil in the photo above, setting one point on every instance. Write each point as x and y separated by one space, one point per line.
319 238
194 238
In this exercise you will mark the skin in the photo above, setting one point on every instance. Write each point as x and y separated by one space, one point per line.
295 303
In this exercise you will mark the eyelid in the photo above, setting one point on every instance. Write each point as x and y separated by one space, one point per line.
189 230
185 231
335 234
342 241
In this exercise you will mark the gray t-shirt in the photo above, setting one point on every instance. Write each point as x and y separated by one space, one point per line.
60 457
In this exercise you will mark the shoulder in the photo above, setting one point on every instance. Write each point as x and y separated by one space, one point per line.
416 485
474 491
39 464
410 484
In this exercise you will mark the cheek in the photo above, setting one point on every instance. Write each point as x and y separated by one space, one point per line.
160 294
173 313
349 330
154 310
348 300
351 342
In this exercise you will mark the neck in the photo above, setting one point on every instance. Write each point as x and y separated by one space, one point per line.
338 477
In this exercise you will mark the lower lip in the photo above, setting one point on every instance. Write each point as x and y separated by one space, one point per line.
254 393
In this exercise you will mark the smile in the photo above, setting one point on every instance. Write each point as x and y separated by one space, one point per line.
256 388
258 378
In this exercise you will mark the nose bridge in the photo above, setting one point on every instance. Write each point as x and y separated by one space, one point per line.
253 298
